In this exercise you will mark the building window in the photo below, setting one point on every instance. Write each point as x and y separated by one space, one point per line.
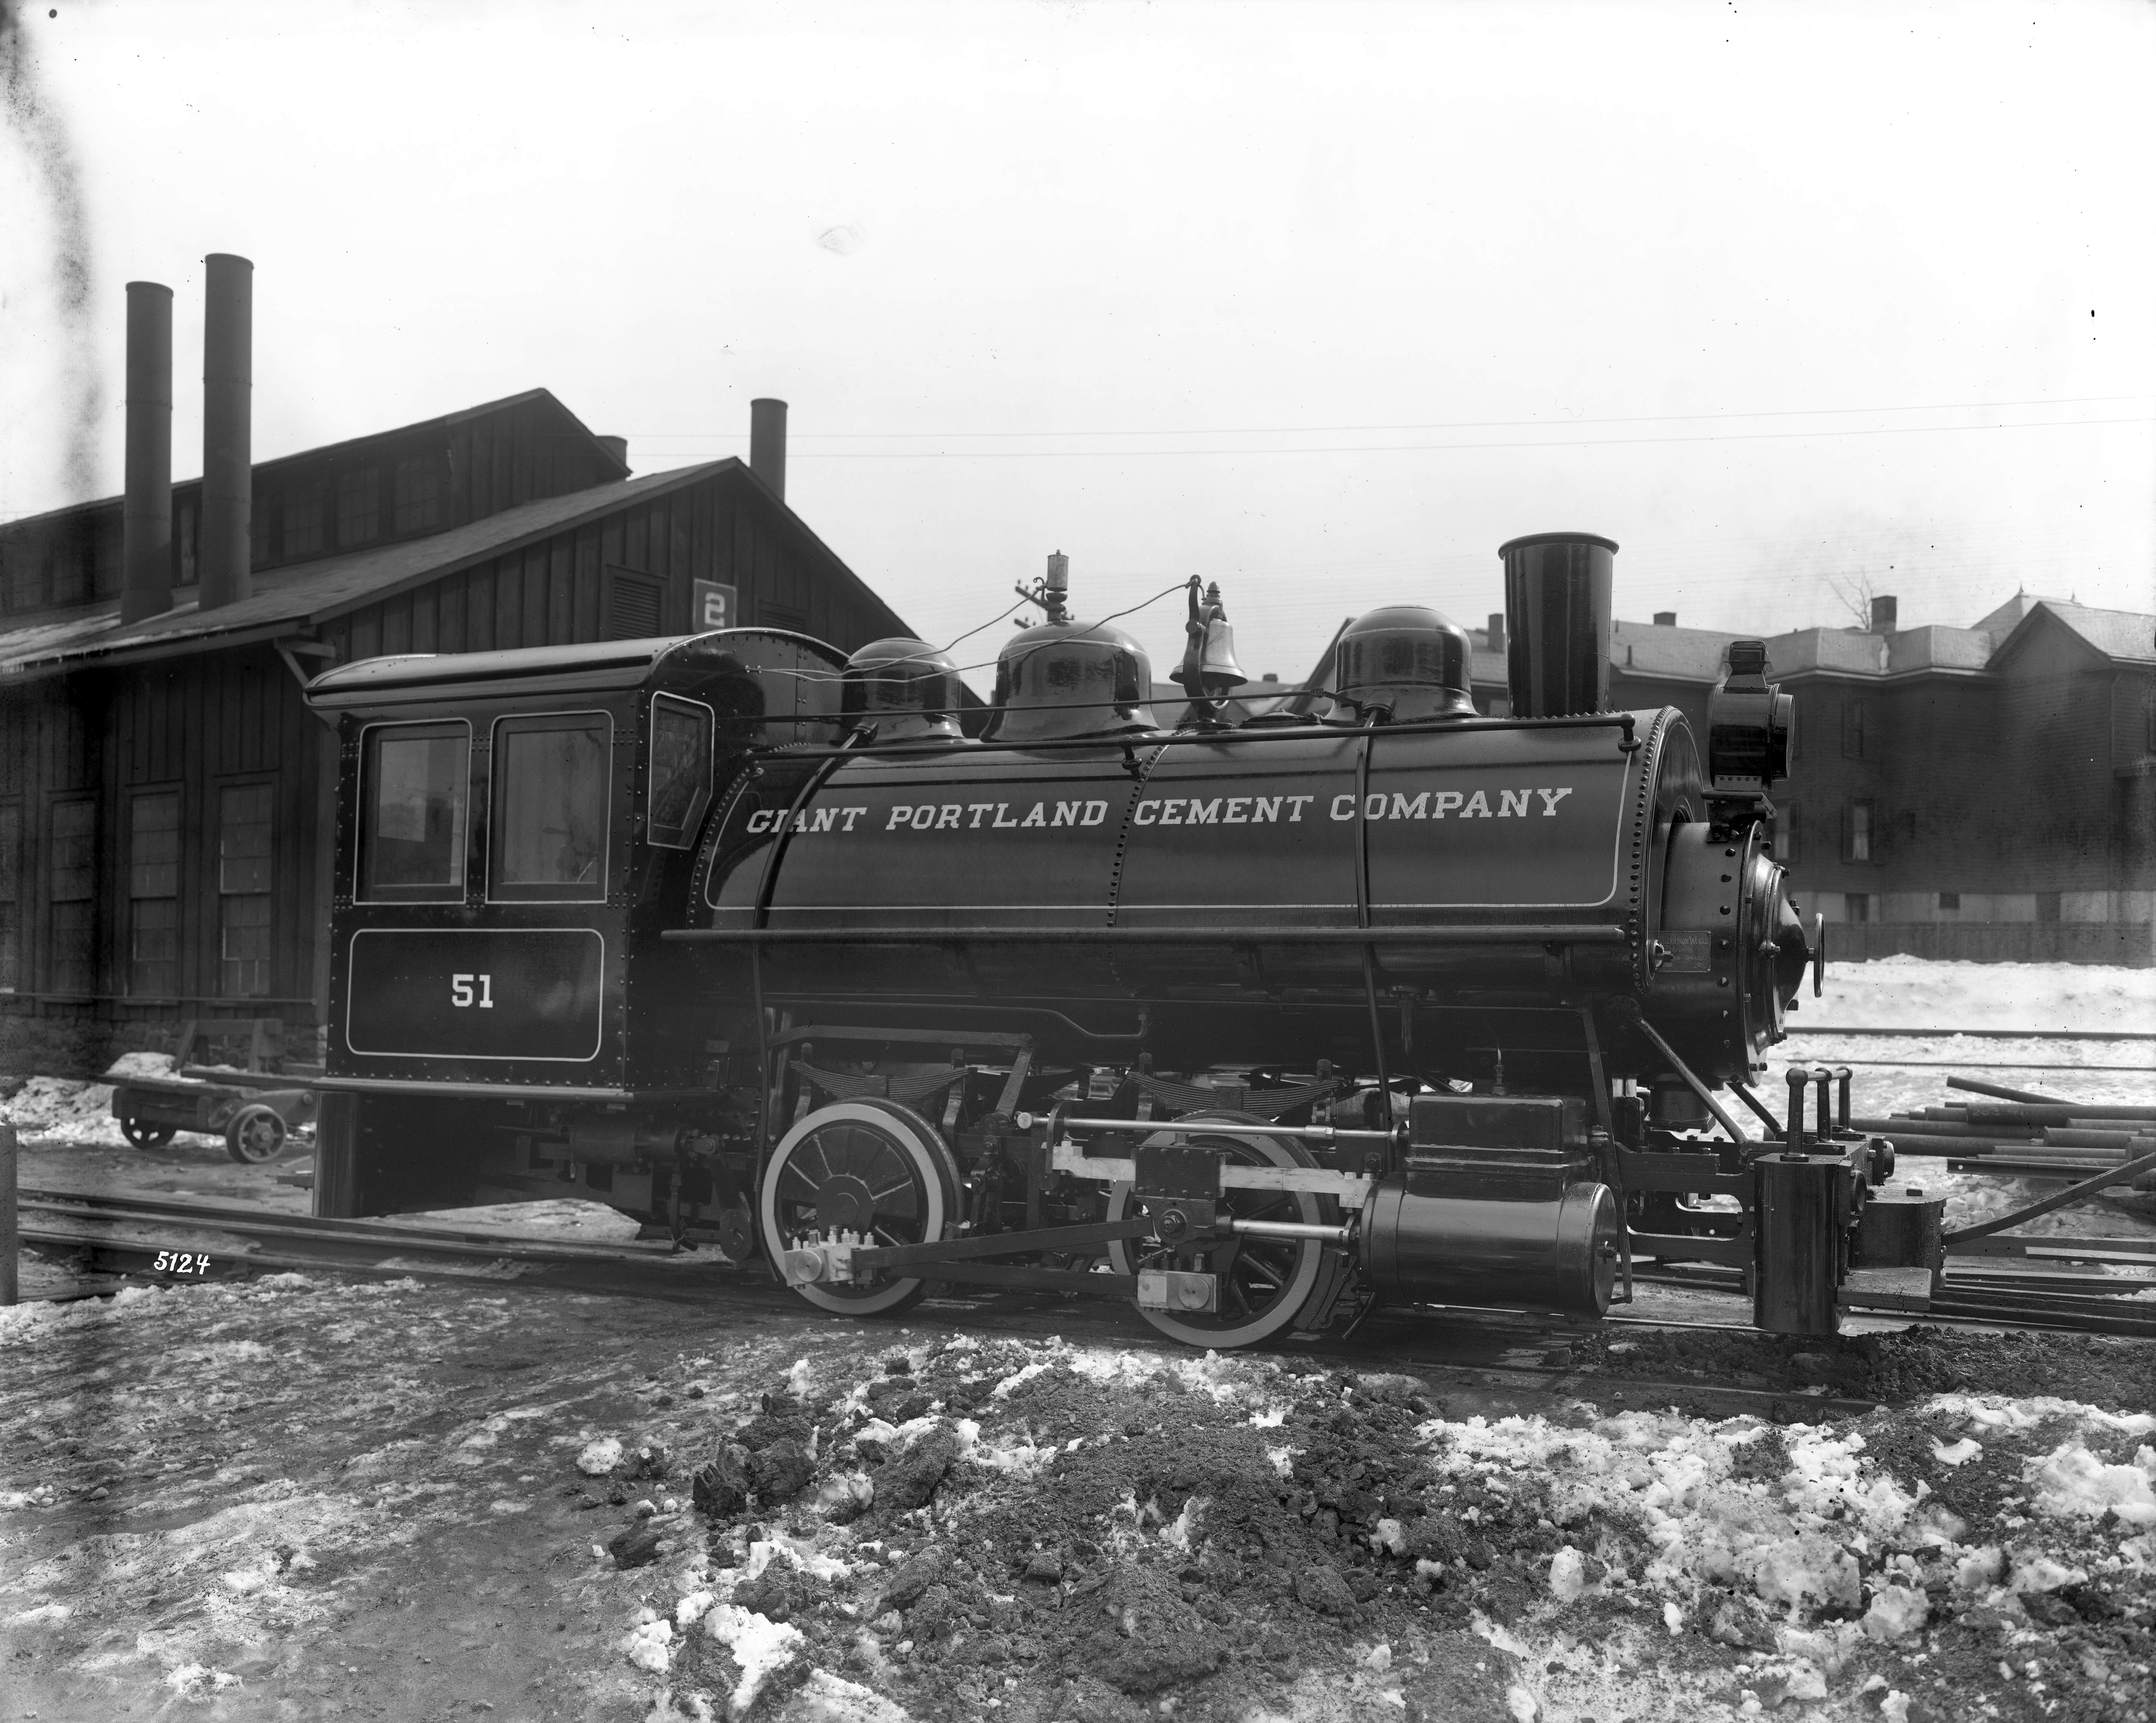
416 495
242 886
1859 904
413 779
73 870
1857 832
359 507
1852 729
548 840
303 519
10 896
153 895
634 606
1950 900
2047 906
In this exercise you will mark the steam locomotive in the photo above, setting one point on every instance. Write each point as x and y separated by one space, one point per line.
1254 1018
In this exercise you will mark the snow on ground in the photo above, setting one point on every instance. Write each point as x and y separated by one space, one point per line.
295 1494
1920 993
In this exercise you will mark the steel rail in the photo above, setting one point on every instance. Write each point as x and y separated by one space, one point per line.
264 1223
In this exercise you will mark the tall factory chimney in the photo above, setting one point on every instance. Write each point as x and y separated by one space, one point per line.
1556 622
146 512
225 556
767 443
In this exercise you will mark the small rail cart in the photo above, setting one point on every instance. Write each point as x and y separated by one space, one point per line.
255 1109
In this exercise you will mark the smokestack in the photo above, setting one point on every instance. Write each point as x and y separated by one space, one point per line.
1883 613
767 443
1497 631
618 447
1557 611
147 514
227 491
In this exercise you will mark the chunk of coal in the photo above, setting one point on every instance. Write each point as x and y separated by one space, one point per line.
899 1366
1147 1664
636 1547
647 1460
936 1616
2052 1612
1322 1588
782 1471
910 1479
722 1487
912 1577
1046 1567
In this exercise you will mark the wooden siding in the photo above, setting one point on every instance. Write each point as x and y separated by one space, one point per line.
551 593
191 726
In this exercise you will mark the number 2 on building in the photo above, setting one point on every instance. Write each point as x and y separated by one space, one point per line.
461 994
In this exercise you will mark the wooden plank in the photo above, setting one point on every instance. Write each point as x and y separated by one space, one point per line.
397 623
478 608
636 542
449 614
561 589
520 430
423 601
508 603
584 618
538 607
366 631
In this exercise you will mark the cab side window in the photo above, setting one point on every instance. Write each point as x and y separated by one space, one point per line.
549 826
413 786
679 779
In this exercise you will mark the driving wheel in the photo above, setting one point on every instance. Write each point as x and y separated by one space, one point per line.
1264 1282
871 1170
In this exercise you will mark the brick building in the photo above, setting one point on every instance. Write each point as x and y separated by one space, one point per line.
1985 793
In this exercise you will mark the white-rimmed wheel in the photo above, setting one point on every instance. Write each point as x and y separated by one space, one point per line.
1264 1282
871 1169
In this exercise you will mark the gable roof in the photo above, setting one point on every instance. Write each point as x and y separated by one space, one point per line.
2123 636
304 595
329 451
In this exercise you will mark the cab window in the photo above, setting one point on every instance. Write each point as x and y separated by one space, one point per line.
681 776
549 826
412 820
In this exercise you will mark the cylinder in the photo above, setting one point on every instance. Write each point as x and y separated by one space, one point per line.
1556 622
1800 1253
228 489
767 442
1425 1237
146 519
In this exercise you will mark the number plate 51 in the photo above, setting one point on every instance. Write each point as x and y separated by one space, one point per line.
461 993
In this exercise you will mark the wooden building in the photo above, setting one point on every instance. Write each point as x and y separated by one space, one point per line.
165 796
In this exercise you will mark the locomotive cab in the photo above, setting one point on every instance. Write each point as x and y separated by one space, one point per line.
510 825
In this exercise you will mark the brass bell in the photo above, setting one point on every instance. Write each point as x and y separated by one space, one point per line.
1217 668
1208 669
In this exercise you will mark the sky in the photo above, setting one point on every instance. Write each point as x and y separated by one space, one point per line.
1323 302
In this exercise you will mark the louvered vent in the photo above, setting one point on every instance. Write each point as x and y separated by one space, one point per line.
632 606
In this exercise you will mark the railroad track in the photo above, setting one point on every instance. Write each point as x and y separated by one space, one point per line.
128 1234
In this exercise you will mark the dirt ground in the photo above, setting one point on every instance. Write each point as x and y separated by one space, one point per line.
303 1497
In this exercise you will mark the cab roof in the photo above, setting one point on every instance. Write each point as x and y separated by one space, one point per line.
593 667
